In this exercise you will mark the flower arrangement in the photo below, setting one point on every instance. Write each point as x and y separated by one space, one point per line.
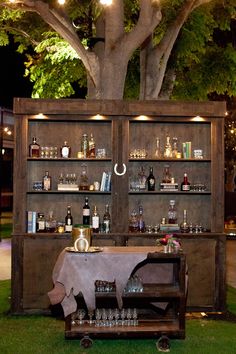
170 243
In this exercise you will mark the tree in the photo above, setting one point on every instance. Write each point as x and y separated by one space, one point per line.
104 40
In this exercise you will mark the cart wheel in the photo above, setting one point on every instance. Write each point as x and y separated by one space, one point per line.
163 344
86 342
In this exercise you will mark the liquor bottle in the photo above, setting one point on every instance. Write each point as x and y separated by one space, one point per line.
83 181
185 185
65 150
95 220
85 145
175 147
151 180
34 148
141 223
168 148
133 222
158 148
172 213
86 212
47 182
68 220
106 220
51 223
91 147
166 174
184 225
142 178
40 224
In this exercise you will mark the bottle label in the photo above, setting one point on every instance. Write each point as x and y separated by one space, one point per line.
41 225
95 222
46 184
185 187
151 181
86 212
65 151
68 228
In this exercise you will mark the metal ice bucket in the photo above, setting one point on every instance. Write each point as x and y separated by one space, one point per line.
81 235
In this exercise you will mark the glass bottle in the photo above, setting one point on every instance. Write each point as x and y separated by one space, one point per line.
40 224
91 147
166 174
184 225
68 220
47 181
51 223
34 148
83 183
86 212
158 148
168 148
106 220
151 180
85 145
141 223
133 222
175 147
142 179
185 185
95 220
172 213
65 150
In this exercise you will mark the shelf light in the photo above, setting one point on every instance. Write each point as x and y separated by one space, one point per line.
143 118
98 117
198 119
40 116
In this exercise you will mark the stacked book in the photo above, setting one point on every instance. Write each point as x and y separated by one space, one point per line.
168 187
67 187
169 227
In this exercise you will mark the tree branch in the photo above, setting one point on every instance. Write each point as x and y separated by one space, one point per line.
149 17
23 33
62 26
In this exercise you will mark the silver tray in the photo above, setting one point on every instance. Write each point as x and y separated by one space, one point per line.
90 250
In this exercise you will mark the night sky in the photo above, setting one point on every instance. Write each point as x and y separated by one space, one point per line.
13 83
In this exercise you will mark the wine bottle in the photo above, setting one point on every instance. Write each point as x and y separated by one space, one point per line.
68 220
185 185
86 212
95 220
151 180
106 220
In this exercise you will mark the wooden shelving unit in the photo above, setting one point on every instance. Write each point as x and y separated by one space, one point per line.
121 127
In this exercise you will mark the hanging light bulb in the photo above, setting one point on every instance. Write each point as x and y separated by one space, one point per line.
61 2
106 2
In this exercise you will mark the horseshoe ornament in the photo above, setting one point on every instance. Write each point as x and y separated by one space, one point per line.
118 173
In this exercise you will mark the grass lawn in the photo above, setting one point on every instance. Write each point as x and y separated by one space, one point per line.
44 334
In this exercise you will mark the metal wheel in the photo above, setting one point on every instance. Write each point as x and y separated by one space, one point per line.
163 344
86 342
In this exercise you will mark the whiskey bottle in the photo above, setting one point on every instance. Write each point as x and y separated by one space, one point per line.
40 224
47 182
166 174
34 148
172 213
65 150
184 226
68 220
107 220
51 223
95 220
83 181
91 147
185 185
151 180
86 212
